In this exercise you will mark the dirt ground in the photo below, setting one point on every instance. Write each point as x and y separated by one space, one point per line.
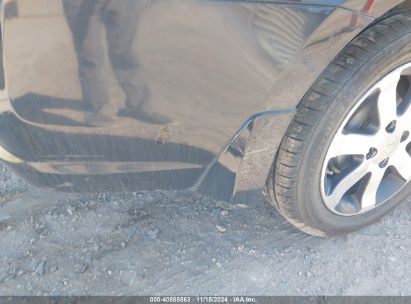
178 243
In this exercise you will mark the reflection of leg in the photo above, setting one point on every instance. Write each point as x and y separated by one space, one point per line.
84 21
121 19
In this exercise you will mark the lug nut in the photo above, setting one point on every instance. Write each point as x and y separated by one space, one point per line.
371 153
384 163
391 126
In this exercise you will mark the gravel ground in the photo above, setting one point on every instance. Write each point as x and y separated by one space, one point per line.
183 243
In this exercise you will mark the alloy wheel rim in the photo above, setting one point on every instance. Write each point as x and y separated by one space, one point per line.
369 158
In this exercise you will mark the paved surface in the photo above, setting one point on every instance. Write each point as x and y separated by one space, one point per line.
181 243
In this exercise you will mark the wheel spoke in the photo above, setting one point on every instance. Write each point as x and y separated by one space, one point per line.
401 160
404 121
347 182
369 197
387 100
350 144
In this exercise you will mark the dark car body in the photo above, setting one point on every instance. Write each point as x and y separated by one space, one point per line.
227 74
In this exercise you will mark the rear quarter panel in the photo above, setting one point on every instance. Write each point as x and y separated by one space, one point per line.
208 65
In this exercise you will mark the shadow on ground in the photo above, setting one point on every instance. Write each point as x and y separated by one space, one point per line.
183 243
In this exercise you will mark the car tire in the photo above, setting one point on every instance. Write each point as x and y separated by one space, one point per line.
296 184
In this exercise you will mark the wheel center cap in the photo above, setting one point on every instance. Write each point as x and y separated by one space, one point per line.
389 145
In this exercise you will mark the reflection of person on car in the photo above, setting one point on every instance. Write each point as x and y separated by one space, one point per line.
120 18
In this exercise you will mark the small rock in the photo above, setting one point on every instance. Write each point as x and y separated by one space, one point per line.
70 210
9 228
218 264
40 268
241 206
224 212
309 274
123 244
80 268
40 228
240 247
20 272
252 251
53 268
96 247
300 273
152 234
109 272
221 228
